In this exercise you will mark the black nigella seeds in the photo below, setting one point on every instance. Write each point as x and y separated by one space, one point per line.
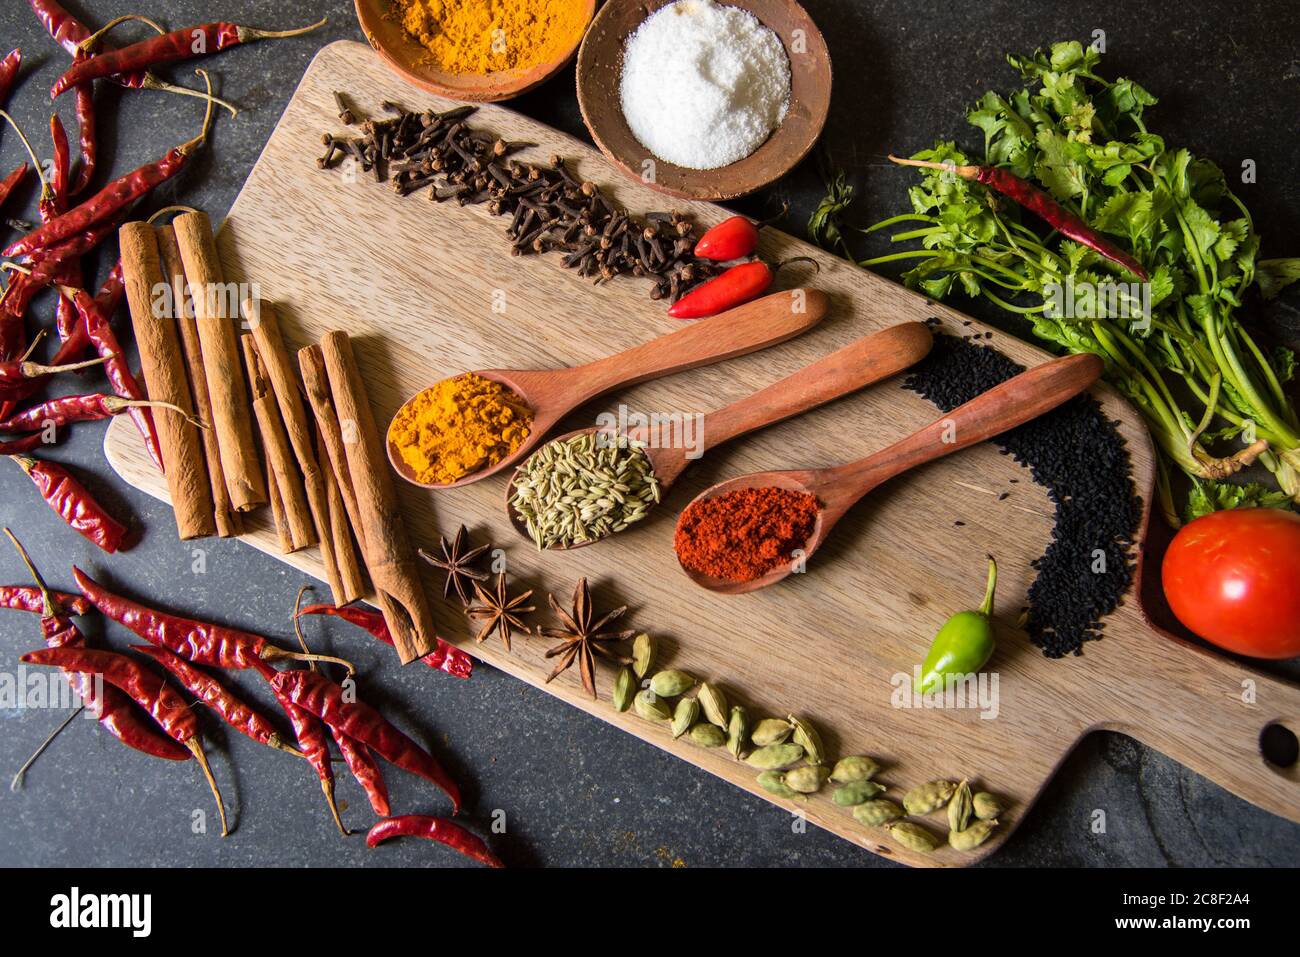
1079 457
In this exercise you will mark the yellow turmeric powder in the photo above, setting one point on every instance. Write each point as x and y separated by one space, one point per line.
486 36
459 426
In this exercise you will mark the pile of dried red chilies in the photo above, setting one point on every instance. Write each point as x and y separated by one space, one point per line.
318 709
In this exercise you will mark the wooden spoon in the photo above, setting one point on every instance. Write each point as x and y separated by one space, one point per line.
846 370
838 489
554 393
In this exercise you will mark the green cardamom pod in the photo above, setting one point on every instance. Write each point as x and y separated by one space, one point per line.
708 735
928 797
774 782
807 779
913 836
857 767
643 654
771 731
775 756
973 836
856 792
807 737
624 689
737 731
986 806
714 703
669 684
684 715
651 707
877 812
960 807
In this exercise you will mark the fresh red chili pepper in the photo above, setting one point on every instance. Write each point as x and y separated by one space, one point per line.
366 770
147 690
736 286
20 378
73 503
733 238
119 374
216 696
28 443
198 642
433 829
362 723
116 713
184 44
30 598
76 408
444 657
1068 224
8 71
113 199
10 182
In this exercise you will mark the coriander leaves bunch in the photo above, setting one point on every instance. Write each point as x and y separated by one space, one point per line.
1213 399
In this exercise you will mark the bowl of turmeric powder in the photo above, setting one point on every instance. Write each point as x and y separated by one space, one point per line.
478 50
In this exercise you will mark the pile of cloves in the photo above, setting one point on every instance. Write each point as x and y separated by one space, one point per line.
549 207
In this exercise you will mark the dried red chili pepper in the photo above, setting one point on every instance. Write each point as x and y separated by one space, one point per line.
736 286
220 699
116 713
184 44
51 266
28 443
444 657
366 770
61 165
70 33
433 829
77 408
107 300
362 723
733 238
10 182
30 598
114 198
1040 203
8 71
147 690
198 642
20 377
73 503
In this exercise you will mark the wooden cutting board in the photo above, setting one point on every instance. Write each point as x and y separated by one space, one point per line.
421 287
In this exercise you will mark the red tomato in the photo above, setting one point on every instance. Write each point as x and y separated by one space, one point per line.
1233 577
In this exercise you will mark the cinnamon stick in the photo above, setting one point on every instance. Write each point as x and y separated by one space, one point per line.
220 347
345 555
163 365
278 515
389 555
311 362
227 519
279 460
262 318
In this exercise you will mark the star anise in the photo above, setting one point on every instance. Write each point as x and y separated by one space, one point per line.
583 638
498 611
458 562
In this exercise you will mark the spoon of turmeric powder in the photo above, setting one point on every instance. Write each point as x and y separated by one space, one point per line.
436 442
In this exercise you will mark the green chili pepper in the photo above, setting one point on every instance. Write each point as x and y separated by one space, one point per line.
963 645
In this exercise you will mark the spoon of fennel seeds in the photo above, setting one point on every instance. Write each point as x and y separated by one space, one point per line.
590 484
551 394
836 490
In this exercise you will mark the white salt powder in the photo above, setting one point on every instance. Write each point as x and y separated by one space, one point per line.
703 84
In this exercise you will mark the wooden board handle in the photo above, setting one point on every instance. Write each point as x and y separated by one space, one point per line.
736 332
1204 710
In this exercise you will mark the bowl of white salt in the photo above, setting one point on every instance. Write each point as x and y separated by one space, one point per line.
703 99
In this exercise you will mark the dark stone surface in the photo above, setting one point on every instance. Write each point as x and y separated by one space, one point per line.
573 790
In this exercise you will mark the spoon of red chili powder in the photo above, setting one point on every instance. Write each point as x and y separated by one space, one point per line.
754 530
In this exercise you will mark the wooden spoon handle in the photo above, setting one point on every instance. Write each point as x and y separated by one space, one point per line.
748 328
1204 710
1005 406
846 370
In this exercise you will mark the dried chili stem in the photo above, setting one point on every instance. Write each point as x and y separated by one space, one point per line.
17 783
196 748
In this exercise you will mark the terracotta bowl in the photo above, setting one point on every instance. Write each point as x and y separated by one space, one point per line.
411 61
600 66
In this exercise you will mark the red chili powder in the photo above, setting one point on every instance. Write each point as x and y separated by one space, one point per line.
742 535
